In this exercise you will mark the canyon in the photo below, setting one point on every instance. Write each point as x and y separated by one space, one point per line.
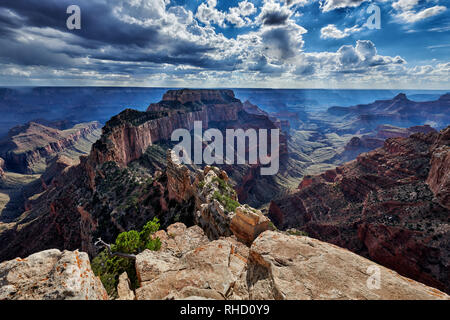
389 205
399 111
27 148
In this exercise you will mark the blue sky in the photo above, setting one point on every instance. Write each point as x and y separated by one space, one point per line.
227 43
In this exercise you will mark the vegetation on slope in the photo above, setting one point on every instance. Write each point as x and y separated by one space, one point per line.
108 266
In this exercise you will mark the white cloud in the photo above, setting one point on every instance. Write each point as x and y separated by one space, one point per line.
273 13
238 16
412 17
331 31
329 5
406 12
405 5
207 13
246 8
186 52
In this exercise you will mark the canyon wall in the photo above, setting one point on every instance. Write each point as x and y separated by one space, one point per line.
390 205
27 151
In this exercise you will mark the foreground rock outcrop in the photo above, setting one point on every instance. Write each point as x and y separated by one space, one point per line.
276 266
190 266
50 275
390 205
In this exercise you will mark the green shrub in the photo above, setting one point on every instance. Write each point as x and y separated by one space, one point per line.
272 226
296 232
229 204
222 183
109 267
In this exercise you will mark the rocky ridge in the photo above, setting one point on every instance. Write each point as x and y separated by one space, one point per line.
399 111
389 205
113 190
374 140
28 147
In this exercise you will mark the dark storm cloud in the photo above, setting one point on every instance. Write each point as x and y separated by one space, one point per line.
161 58
27 54
279 39
275 18
98 21
100 29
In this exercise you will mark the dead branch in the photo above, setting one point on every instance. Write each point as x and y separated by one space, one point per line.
115 254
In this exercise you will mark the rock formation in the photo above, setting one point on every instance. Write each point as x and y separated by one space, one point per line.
248 223
189 266
380 206
439 178
124 291
399 111
50 275
2 166
276 266
28 147
103 196
371 141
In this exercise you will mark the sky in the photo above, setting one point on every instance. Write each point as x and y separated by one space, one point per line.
227 43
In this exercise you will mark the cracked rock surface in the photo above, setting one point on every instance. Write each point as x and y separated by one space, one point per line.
275 266
50 275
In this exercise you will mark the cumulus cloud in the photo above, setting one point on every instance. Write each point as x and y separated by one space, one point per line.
238 16
406 11
273 13
412 17
362 60
207 13
332 32
157 42
329 5
405 5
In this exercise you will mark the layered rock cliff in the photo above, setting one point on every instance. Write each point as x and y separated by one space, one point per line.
367 142
2 166
125 181
439 178
399 111
127 135
380 206
28 147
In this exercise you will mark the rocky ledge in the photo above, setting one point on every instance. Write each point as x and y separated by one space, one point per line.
189 266
50 275
390 205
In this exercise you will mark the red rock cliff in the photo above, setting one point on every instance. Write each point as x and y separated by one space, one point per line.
381 206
